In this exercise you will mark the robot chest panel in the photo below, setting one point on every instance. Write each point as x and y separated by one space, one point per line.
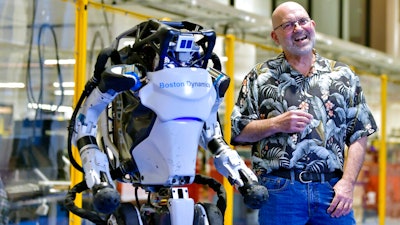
179 93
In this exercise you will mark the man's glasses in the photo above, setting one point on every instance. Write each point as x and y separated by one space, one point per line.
289 26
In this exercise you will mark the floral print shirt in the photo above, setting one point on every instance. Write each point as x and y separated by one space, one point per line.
332 94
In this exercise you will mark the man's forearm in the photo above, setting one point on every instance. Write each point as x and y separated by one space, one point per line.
257 130
355 160
292 121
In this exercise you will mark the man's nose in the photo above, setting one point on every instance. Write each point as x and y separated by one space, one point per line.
296 25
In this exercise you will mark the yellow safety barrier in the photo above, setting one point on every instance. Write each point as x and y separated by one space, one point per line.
382 155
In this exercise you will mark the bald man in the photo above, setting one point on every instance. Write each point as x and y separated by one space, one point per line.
300 111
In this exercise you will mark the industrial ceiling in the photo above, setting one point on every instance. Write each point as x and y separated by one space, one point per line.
254 28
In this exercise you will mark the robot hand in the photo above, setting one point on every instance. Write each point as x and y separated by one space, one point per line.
97 176
95 165
254 195
230 164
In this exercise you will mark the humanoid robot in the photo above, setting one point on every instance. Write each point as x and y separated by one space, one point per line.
152 102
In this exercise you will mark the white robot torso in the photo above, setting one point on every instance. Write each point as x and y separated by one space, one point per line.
182 98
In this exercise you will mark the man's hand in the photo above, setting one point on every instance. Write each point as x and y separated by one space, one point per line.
293 121
342 203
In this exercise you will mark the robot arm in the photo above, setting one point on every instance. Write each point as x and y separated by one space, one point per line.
114 80
226 160
94 161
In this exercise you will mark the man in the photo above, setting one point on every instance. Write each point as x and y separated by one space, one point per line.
299 111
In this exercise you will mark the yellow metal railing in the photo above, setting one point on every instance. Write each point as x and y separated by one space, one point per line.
382 155
79 79
229 102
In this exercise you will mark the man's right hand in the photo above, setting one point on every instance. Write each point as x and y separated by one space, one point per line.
293 121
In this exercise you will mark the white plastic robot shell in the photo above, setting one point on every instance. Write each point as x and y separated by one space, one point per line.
179 93
182 98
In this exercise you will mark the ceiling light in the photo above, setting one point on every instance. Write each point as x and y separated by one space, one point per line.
60 62
65 92
12 85
64 84
49 107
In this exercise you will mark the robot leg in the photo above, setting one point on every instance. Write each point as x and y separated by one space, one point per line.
182 209
180 206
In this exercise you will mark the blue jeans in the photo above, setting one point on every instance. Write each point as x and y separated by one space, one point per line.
295 203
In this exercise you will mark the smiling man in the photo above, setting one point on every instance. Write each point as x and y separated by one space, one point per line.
300 111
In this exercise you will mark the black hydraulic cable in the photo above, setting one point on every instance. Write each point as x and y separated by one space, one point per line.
83 213
90 85
137 197
217 187
70 134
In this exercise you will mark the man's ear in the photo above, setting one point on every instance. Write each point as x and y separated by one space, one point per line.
313 23
274 37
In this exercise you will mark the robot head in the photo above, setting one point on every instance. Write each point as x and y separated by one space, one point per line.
161 44
183 52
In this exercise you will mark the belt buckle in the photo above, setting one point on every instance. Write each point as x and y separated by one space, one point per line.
301 178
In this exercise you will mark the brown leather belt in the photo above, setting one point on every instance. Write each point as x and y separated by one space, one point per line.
306 176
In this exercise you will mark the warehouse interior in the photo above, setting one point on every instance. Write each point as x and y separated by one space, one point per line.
44 71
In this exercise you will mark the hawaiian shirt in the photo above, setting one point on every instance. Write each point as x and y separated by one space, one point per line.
332 94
